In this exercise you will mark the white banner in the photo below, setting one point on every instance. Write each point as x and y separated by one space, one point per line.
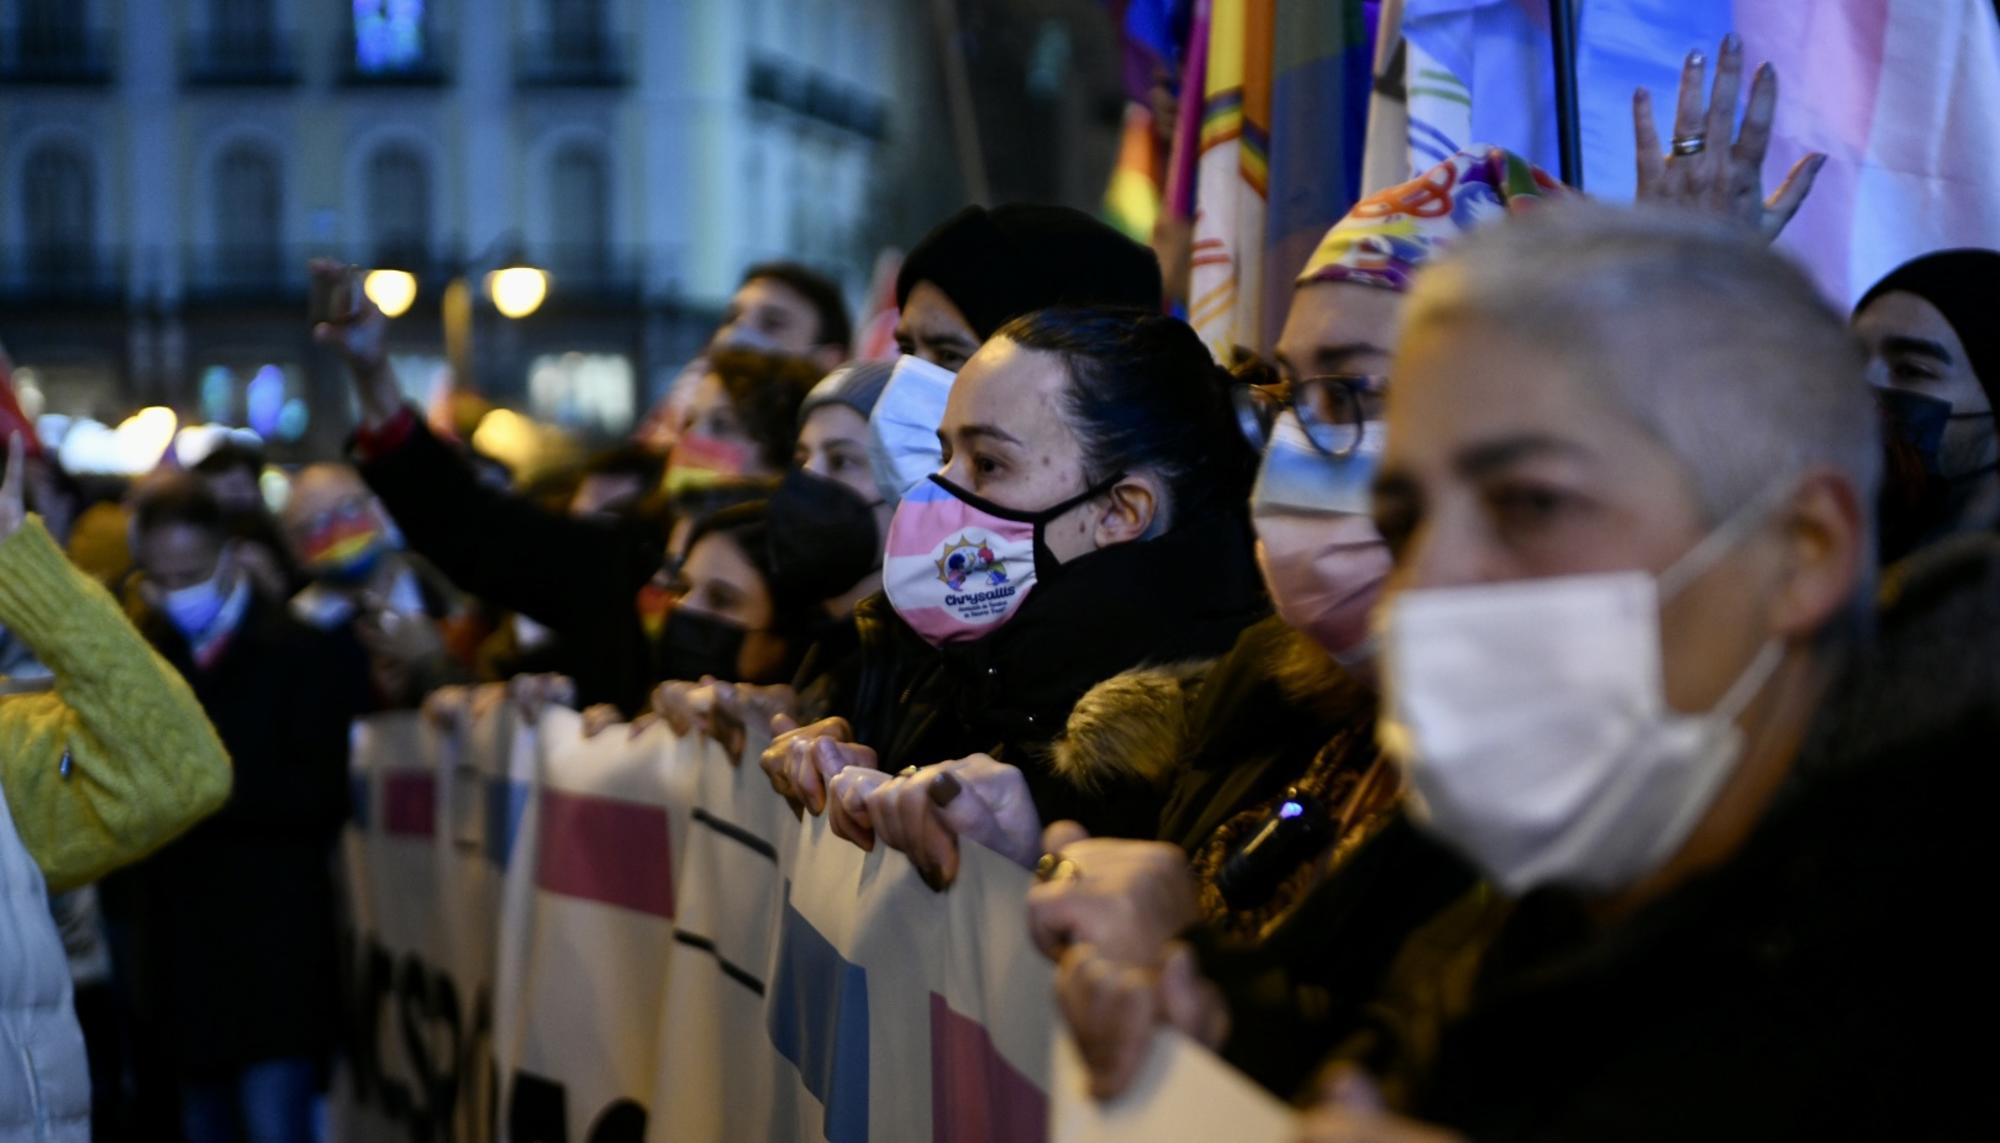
557 939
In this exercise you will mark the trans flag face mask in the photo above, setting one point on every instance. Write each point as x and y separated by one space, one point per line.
1324 563
958 566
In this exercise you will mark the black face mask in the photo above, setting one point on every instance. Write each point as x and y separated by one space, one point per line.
694 646
823 538
1917 420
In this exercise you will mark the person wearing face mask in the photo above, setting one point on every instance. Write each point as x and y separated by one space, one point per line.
1088 518
1933 342
731 620
1281 844
1633 672
592 582
973 273
365 587
228 963
826 520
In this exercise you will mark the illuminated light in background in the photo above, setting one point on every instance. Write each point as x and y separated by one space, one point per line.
28 393
52 428
276 487
388 35
392 290
528 448
132 449
591 391
517 291
218 393
293 419
193 443
265 398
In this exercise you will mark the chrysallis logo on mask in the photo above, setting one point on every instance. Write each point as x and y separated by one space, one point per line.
970 560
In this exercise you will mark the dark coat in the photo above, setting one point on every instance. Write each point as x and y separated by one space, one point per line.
1832 980
1276 712
580 578
231 927
1186 595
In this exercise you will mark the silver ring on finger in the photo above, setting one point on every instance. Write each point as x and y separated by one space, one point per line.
1689 144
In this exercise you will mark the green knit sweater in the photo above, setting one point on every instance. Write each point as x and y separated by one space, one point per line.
118 758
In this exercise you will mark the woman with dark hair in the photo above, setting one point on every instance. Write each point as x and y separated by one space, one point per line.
1089 517
730 620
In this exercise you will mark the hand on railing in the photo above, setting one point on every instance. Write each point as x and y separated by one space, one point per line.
1126 899
1112 1008
925 811
802 759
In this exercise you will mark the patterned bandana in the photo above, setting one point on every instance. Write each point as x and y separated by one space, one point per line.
1389 234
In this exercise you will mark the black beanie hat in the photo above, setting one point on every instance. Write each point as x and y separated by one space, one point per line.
998 264
1964 285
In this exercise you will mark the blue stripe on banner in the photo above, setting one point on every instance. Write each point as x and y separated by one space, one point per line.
359 804
1442 140
819 1021
506 801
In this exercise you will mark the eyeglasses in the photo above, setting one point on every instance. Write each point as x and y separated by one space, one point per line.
1331 408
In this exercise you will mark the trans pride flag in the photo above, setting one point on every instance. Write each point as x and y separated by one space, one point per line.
1902 95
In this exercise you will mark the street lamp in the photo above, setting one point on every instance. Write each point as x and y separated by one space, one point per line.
391 290
517 291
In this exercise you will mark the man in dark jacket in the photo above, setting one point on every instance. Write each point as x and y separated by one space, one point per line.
1630 675
230 949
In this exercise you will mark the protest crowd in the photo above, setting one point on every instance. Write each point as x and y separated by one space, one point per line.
1539 698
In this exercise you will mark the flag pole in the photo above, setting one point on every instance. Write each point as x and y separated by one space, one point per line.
1562 37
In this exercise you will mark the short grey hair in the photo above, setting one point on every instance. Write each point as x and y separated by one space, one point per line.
1721 348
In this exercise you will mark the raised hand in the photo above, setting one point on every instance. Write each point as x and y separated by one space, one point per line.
1711 166
362 342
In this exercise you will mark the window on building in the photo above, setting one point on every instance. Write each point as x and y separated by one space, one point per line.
248 225
399 206
59 205
580 209
244 28
576 30
389 35
52 28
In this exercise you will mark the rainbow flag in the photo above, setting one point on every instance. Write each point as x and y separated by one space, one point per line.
1281 126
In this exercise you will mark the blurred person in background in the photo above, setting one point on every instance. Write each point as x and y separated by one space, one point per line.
589 581
1932 328
366 587
826 522
234 472
101 764
227 949
780 308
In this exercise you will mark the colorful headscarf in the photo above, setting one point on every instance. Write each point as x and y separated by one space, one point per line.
1389 234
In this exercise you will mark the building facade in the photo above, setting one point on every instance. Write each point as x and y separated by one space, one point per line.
168 166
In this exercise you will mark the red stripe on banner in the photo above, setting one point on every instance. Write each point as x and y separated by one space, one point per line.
409 804
612 852
976 1095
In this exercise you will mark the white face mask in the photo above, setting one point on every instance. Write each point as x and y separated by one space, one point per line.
902 431
1532 723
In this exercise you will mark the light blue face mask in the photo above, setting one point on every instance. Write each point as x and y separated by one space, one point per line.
194 609
902 431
